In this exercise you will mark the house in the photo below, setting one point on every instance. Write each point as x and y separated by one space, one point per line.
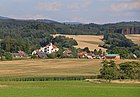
67 53
20 54
82 54
112 57
90 56
48 49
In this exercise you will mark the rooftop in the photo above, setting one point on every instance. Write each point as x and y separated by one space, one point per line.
111 55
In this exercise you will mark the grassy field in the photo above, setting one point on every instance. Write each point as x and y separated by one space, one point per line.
134 37
67 89
51 67
91 41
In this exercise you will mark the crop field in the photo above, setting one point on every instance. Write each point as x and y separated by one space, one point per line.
51 67
90 41
67 89
134 37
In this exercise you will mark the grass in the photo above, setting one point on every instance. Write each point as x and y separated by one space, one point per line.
90 41
67 89
51 67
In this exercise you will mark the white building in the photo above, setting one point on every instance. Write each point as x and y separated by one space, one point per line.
48 49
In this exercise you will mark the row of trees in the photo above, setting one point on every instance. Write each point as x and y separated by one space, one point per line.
127 70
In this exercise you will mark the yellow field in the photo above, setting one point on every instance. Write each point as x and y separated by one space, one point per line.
90 41
51 67
134 37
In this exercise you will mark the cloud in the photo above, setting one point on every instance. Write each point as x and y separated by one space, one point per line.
77 19
58 5
36 16
79 5
126 6
49 6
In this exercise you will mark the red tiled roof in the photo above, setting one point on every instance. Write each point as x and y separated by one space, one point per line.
50 45
83 53
67 51
21 52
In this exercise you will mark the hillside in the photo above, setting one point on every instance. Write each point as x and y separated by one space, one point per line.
28 35
134 37
90 41
52 26
98 29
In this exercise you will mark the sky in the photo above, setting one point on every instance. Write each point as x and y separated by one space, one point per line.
84 11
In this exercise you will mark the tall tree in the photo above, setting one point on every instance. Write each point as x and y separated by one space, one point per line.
109 70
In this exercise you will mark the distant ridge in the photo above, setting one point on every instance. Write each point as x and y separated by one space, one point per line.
76 23
47 21
5 18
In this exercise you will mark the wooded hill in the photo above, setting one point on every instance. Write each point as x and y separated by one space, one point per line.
19 26
96 29
28 35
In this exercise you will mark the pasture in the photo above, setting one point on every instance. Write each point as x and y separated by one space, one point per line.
51 67
67 89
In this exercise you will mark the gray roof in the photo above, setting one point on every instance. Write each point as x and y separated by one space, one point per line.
42 55
15 54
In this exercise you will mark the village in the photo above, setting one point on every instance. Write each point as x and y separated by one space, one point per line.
44 52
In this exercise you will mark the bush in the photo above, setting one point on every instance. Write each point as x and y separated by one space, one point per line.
8 56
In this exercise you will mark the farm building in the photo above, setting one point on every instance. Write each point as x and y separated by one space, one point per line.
67 53
41 55
20 54
82 54
112 56
48 49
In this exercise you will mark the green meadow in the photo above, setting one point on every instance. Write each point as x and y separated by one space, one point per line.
67 89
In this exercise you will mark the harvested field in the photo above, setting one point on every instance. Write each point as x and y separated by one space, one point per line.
90 41
49 67
52 67
134 37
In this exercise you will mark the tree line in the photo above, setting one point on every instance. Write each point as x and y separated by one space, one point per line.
128 70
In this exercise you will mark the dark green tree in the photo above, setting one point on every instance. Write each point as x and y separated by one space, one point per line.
122 51
130 70
95 52
109 70
100 52
86 49
8 56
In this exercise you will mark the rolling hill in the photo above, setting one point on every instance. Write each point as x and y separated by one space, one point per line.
90 41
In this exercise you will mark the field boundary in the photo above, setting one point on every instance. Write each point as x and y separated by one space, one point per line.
124 81
66 78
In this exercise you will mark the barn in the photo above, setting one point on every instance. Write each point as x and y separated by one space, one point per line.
112 56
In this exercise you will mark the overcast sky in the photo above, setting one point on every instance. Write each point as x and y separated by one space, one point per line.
85 11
